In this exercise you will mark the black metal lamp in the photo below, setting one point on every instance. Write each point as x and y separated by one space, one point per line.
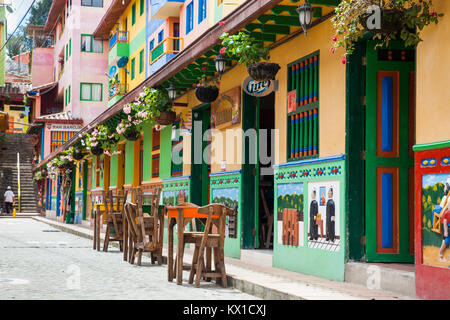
305 15
172 92
220 62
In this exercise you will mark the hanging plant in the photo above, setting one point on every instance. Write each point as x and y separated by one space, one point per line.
249 52
159 105
398 20
205 92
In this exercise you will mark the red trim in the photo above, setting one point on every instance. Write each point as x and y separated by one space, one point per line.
395 234
395 109
431 282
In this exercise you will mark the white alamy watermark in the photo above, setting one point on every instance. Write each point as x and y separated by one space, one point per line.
73 282
374 278
374 19
231 147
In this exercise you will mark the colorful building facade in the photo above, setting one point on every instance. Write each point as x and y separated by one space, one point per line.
330 163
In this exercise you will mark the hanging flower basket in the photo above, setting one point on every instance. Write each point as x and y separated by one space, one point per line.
97 150
131 134
263 71
392 21
78 154
166 117
207 94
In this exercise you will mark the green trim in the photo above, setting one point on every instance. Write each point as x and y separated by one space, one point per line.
431 146
89 83
141 60
133 14
70 47
354 146
133 66
92 43
141 7
85 183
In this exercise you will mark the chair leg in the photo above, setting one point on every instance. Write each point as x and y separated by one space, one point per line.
130 249
106 243
222 267
217 265
139 256
160 260
133 255
208 262
200 262
193 265
152 256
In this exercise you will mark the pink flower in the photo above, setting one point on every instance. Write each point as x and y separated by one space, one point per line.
333 50
222 50
433 13
334 38
127 109
204 68
129 118
344 61
199 85
221 23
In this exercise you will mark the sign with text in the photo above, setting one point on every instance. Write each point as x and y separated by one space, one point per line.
258 88
226 110
63 127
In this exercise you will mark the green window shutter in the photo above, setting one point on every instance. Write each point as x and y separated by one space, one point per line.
70 47
141 11
141 61
133 14
69 94
133 62
65 97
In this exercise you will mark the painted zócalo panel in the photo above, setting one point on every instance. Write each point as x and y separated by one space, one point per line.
310 219
432 216
172 187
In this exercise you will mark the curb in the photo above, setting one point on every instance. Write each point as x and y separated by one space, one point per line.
242 285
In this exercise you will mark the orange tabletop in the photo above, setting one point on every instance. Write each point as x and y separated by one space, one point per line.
188 212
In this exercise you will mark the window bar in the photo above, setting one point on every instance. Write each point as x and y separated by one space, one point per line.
300 90
310 123
316 77
300 148
311 70
315 116
293 138
293 70
305 133
297 84
297 128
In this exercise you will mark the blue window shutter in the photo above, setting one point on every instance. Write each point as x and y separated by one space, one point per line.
190 17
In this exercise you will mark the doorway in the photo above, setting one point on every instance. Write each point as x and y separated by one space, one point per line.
258 180
200 170
389 162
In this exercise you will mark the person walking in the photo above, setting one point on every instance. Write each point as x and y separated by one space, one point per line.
9 200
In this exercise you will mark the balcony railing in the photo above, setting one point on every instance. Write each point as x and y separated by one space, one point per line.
169 45
61 72
118 89
118 36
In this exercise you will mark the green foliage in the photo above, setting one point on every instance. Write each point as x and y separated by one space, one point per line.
348 29
290 201
226 201
243 48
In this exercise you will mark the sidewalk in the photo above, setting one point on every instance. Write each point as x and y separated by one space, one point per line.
266 282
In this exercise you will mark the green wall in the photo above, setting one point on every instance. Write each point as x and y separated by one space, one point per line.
113 168
129 162
147 156
165 160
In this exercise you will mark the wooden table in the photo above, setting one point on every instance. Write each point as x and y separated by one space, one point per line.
180 216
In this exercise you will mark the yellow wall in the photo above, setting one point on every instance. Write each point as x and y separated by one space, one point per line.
331 97
432 87
16 114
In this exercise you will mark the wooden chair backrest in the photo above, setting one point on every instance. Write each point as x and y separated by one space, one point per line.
221 211
131 216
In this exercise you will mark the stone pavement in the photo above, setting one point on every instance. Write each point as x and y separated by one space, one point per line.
268 282
40 262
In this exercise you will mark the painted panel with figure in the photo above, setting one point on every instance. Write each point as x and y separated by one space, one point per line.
230 198
436 219
323 215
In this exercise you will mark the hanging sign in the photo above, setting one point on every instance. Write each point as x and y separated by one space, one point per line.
64 127
258 88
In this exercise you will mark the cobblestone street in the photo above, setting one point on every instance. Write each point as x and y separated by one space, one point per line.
40 262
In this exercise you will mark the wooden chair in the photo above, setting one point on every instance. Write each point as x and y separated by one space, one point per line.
146 232
208 239
114 205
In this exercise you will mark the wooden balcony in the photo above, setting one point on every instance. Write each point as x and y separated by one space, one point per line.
118 36
118 89
170 45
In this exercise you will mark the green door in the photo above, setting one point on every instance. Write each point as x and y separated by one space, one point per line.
200 169
250 173
390 126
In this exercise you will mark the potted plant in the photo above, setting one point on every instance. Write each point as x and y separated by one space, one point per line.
399 20
249 52
205 92
159 105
